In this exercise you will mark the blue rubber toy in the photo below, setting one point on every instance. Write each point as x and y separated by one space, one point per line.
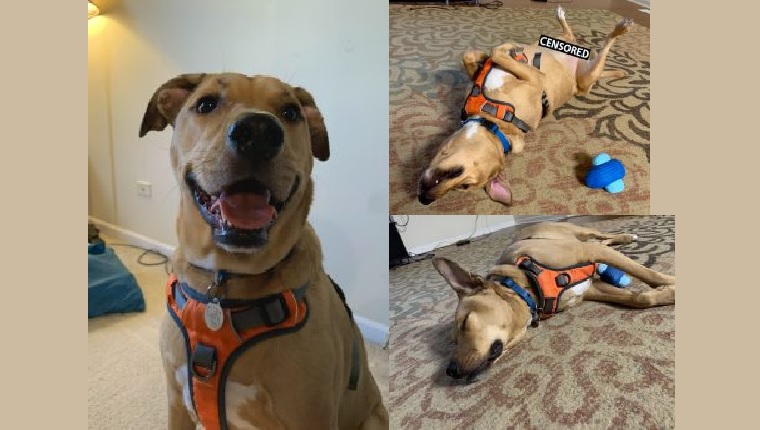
613 275
606 173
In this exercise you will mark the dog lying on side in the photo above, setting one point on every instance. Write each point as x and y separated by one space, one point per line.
256 334
493 313
519 86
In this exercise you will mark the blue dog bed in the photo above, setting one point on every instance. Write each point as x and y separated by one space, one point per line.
111 287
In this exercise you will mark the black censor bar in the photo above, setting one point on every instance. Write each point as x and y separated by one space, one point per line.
562 46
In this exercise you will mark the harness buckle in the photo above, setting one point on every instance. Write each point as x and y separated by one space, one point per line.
276 311
508 116
562 279
528 264
219 282
203 357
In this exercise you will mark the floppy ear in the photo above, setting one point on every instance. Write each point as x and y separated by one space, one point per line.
166 102
320 145
462 281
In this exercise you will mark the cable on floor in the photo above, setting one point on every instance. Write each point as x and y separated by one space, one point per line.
163 259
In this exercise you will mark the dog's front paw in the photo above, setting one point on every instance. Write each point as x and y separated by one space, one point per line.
622 27
516 51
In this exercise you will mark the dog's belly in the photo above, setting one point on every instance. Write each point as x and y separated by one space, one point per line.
568 61
496 78
574 295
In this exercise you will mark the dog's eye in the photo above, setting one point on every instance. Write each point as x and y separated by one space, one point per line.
464 186
206 104
291 113
463 326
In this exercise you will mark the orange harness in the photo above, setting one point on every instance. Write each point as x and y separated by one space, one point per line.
477 101
549 284
211 353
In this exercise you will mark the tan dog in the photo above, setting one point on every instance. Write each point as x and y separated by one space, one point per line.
491 318
242 151
474 157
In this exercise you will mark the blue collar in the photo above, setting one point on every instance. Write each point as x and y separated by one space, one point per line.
493 128
511 284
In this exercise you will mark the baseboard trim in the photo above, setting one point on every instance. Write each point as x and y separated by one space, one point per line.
422 249
133 238
371 330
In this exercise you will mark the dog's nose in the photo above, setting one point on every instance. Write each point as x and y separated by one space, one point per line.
452 369
427 181
256 137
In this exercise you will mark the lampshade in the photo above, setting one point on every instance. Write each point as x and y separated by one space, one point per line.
92 10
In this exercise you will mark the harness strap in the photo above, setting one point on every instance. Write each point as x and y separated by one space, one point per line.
244 324
511 284
211 353
478 102
549 283
353 376
266 311
544 98
493 128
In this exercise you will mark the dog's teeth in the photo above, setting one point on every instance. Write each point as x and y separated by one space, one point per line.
268 195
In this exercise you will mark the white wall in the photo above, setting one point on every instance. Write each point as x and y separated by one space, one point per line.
424 233
337 49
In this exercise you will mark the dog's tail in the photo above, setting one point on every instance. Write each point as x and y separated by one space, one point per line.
651 277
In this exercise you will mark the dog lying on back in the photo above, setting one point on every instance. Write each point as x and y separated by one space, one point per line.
514 88
547 269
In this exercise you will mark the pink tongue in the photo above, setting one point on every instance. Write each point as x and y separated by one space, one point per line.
498 192
248 211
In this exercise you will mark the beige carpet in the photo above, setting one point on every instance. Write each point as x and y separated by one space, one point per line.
126 381
428 85
595 366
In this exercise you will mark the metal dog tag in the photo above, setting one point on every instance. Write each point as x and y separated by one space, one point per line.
214 315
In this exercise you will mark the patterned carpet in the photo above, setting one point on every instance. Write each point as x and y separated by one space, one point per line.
596 366
428 85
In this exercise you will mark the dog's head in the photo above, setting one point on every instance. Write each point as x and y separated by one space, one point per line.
242 152
485 324
471 158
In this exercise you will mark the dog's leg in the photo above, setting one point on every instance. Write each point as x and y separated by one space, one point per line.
502 57
590 71
567 32
585 234
602 292
378 420
179 418
472 61
600 253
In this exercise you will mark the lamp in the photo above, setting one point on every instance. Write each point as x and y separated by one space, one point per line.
92 10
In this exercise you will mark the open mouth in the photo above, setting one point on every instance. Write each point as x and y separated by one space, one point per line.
241 214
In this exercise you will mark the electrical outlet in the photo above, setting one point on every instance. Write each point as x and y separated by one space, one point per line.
144 189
